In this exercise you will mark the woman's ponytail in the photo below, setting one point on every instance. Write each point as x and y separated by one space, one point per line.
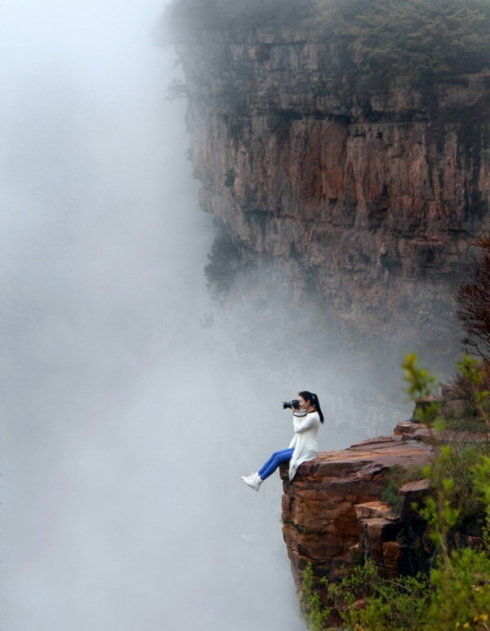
313 399
316 403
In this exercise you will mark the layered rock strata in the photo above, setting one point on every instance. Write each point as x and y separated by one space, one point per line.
368 193
332 511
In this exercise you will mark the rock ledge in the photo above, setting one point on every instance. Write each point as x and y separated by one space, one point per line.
332 511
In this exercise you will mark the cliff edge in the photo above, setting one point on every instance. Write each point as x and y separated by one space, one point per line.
333 514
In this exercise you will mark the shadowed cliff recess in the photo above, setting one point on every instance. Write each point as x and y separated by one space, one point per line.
346 142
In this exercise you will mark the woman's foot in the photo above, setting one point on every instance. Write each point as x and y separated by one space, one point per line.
254 481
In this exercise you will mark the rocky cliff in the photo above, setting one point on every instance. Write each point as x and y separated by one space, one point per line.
333 513
369 193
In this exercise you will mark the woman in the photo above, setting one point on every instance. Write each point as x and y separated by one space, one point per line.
303 446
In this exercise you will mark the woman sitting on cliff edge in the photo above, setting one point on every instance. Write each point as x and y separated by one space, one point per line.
303 446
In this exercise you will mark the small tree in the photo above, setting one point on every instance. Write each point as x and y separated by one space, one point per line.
420 388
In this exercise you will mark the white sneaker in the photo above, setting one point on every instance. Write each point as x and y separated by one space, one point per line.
254 481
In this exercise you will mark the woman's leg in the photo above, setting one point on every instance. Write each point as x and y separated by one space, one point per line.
271 459
266 464
274 461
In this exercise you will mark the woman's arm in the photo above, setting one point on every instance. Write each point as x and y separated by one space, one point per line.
301 424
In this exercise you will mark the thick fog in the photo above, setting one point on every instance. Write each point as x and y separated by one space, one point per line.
132 400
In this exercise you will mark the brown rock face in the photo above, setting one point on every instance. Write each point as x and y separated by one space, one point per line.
371 194
332 510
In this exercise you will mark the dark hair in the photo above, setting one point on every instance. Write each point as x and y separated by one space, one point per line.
313 399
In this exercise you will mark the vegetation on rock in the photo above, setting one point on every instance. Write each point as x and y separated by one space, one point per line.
455 592
436 601
425 40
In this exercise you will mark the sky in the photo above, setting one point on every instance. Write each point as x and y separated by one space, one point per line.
133 401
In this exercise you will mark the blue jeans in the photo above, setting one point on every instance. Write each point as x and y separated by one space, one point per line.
274 461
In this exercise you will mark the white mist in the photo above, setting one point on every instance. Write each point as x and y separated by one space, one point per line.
132 401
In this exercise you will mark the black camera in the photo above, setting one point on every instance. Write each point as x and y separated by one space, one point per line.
294 404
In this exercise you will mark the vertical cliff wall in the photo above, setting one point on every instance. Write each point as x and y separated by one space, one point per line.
370 193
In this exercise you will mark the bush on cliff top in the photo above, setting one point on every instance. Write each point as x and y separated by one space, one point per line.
429 39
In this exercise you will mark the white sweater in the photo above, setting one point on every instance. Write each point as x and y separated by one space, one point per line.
305 440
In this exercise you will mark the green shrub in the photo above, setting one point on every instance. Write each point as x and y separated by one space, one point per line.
466 497
472 371
481 480
353 587
316 613
437 601
460 596
421 384
399 604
